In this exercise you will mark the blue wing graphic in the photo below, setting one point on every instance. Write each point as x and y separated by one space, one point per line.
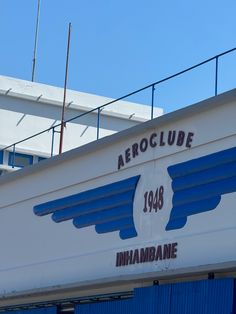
199 183
109 208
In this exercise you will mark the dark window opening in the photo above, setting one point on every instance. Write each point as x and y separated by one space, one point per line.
19 160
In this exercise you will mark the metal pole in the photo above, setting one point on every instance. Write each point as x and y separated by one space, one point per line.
35 41
98 123
64 98
153 94
216 77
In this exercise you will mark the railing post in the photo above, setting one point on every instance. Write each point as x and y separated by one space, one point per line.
13 158
102 106
153 95
52 145
216 76
98 122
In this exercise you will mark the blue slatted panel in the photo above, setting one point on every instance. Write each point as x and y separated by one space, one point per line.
152 300
43 310
109 208
199 183
187 298
234 302
197 297
202 297
220 296
111 307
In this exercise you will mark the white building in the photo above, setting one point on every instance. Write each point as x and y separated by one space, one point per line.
27 108
120 219
130 215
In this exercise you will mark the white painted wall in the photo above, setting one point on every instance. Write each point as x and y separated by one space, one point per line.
37 253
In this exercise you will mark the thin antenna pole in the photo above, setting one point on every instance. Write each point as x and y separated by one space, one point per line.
35 41
64 98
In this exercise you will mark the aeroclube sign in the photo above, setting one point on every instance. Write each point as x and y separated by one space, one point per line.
110 207
195 186
153 201
172 137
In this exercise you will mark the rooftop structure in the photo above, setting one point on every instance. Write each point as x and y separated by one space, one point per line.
27 108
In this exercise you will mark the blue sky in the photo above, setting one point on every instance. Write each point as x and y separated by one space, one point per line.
121 46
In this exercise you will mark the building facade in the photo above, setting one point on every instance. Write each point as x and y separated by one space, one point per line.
140 221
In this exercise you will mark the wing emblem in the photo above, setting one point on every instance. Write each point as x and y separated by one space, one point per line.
109 208
199 183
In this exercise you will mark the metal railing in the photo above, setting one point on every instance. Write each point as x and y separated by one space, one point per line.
152 87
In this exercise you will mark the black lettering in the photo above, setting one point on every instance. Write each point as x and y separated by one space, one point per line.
136 257
151 254
148 254
171 137
143 145
128 257
174 250
127 155
117 259
180 139
144 255
152 142
120 259
120 162
135 150
162 143
189 139
158 253
166 251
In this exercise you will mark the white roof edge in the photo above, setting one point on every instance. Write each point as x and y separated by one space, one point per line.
47 94
204 105
9 168
124 279
24 150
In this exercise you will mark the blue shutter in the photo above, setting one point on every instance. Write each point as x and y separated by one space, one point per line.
197 297
202 297
152 300
110 307
44 310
